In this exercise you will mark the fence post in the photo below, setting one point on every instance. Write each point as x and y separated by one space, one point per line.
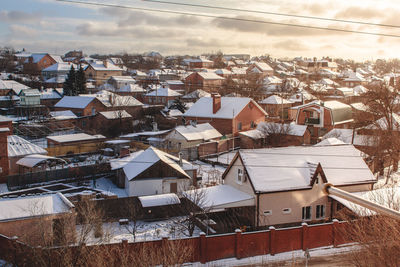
272 240
335 232
304 243
203 248
238 244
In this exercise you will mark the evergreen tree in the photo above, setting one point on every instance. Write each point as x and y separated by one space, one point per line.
179 105
80 81
70 83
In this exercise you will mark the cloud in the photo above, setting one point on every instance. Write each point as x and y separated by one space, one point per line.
269 29
292 44
19 17
114 30
23 31
360 13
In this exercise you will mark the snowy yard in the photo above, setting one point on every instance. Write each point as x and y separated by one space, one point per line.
209 174
107 185
113 232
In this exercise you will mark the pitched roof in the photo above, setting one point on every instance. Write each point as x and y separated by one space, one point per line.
275 100
203 131
14 85
18 146
60 66
210 76
116 114
290 168
99 66
163 91
197 94
230 107
74 102
63 115
147 159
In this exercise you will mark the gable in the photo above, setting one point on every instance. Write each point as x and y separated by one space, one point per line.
160 170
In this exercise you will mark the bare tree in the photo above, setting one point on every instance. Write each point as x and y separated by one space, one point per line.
384 143
275 133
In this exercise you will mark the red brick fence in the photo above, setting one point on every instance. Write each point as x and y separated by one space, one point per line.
239 245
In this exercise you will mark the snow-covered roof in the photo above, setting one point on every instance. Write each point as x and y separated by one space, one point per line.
230 107
147 133
146 159
121 162
14 85
159 200
32 206
332 141
116 114
210 76
60 66
74 102
263 66
78 137
57 79
63 115
275 100
253 134
203 131
50 94
288 129
18 146
219 196
132 88
291 168
197 94
163 91
99 66
110 99
383 124
31 161
359 89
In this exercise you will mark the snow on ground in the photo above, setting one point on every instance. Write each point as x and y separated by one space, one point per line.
3 189
225 158
290 256
113 232
107 185
209 174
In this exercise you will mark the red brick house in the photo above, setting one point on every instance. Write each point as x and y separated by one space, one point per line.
80 105
37 62
321 117
260 68
207 81
161 96
229 115
200 63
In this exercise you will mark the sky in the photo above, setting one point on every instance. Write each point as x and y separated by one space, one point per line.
58 27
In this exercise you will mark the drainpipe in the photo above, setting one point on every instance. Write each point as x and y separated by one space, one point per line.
331 190
258 210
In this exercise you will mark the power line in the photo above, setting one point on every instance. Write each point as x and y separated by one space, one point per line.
275 13
230 18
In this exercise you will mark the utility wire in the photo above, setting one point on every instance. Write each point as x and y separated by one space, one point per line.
229 18
274 13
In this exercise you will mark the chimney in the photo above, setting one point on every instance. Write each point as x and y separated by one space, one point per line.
105 63
180 159
216 98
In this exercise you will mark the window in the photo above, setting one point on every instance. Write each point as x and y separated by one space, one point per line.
93 111
306 214
267 212
320 211
287 211
240 176
239 126
317 180
252 124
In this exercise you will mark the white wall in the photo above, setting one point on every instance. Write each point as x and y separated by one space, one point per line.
145 187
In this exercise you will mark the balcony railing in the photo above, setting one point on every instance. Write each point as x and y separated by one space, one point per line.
312 120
